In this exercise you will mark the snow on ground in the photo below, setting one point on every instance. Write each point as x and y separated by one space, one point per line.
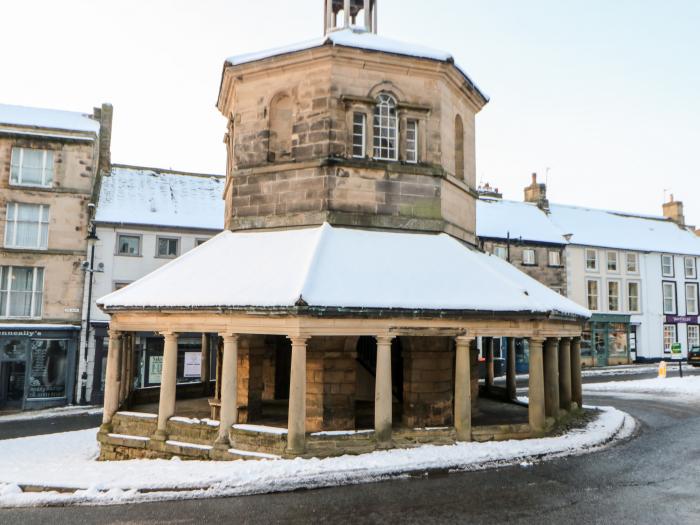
52 413
68 460
685 387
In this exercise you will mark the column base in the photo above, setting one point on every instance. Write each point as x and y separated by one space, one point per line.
105 428
464 435
222 444
384 445
160 435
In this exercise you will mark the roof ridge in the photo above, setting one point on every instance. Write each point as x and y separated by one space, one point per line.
168 171
324 229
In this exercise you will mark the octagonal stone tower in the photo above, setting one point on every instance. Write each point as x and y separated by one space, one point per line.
351 129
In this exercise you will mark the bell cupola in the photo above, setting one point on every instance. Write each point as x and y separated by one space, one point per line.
345 14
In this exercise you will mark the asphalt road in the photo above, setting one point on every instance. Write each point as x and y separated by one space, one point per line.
652 478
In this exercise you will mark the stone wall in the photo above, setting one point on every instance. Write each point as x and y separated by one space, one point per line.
251 351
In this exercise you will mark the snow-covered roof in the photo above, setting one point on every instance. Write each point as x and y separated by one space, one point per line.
47 119
331 267
359 39
609 229
497 219
146 196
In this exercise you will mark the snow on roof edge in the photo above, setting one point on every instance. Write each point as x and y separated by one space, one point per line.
47 118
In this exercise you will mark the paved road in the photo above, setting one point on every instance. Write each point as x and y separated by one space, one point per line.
35 427
653 479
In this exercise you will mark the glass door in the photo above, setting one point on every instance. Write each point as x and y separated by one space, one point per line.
12 376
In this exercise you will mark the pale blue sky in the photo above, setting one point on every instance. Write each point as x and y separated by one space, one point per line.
606 93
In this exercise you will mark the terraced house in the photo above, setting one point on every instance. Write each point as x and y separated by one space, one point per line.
49 162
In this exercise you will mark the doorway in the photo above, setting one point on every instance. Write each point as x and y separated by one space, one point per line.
12 374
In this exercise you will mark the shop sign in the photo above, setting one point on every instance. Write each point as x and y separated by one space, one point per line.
688 319
20 333
155 369
193 364
676 352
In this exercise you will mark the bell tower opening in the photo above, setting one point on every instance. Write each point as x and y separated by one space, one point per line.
345 14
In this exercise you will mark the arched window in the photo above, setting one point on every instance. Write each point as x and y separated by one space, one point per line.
280 128
385 128
459 148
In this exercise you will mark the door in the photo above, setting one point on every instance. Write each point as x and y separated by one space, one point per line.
601 346
12 384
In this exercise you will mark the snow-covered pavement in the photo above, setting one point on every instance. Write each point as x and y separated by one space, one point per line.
51 413
68 461
686 388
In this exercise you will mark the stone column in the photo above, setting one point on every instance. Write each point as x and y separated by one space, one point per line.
205 371
511 387
487 343
111 399
565 373
122 367
536 410
229 389
296 422
551 377
463 393
168 386
383 396
576 389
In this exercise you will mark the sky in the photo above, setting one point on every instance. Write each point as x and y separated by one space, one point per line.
600 97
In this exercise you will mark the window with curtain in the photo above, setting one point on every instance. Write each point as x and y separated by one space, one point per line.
386 128
691 299
27 226
592 294
31 167
613 296
633 295
669 290
21 291
591 260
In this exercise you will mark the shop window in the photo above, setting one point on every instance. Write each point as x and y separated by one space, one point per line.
21 292
129 245
459 148
592 294
280 128
385 128
592 260
669 294
554 258
31 167
670 337
168 247
529 257
667 265
693 336
613 296
501 252
189 351
612 261
27 226
617 339
632 263
691 299
691 271
633 296
48 369
412 141
359 135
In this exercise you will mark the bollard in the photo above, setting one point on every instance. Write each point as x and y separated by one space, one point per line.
662 369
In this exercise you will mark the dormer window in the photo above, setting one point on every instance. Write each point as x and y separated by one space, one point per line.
385 128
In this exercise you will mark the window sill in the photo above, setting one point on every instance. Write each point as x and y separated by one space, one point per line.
127 255
14 185
169 257
531 265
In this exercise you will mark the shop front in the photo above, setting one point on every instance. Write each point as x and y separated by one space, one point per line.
606 340
37 366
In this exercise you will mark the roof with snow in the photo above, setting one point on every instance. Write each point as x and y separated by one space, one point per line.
358 39
584 226
329 267
53 119
152 197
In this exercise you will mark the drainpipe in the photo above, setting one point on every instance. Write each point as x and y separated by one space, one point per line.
89 271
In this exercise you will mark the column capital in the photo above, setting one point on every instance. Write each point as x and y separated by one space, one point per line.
115 334
229 337
464 339
384 339
168 334
299 340
537 339
565 340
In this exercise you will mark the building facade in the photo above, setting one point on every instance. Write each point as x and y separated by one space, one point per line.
49 163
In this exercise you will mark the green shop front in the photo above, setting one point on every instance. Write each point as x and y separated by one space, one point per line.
607 340
37 364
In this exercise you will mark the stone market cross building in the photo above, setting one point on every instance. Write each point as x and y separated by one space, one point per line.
346 297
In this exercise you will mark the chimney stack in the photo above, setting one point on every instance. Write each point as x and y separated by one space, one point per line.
537 194
673 210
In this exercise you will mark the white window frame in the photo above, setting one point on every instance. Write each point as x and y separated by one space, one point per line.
610 296
501 252
691 293
136 235
525 258
612 256
18 164
594 260
557 258
597 295
639 297
199 242
693 274
42 226
670 330
361 137
632 257
412 143
178 245
672 271
386 108
671 287
36 307
693 340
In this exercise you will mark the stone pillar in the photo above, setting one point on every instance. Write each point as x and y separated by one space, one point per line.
565 373
463 393
296 422
205 367
511 387
111 399
536 410
487 343
229 389
383 396
168 386
122 367
551 377
576 389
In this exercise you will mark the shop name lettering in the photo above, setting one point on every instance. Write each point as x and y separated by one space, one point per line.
20 333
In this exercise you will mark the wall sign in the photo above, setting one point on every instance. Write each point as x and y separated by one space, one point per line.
193 364
688 319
